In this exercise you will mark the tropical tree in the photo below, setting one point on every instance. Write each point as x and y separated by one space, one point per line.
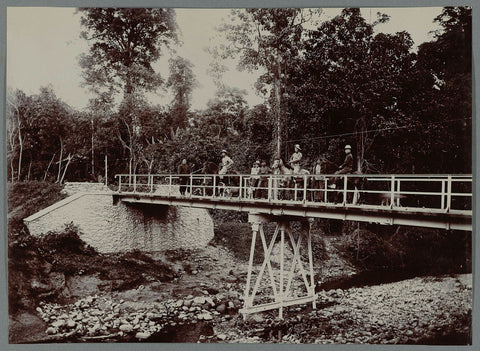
267 39
349 82
18 112
444 95
182 82
124 44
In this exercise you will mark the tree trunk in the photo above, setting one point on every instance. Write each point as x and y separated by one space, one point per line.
130 171
69 158
46 172
12 170
93 155
60 160
20 142
29 169
278 109
11 147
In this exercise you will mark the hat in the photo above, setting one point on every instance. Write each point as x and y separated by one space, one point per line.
297 146
348 147
224 151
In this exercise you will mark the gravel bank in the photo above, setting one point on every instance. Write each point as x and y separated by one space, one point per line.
405 312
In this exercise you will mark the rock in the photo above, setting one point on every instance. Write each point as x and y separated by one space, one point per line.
71 323
126 328
199 300
39 310
221 308
231 304
221 336
212 290
179 303
51 331
255 317
59 323
142 335
207 316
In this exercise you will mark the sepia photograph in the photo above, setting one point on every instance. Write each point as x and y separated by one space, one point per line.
289 175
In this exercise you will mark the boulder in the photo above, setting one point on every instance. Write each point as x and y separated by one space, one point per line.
126 328
199 300
221 308
142 335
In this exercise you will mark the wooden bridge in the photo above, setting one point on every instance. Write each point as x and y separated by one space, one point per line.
433 201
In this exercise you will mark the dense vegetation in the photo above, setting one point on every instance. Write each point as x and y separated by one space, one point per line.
404 111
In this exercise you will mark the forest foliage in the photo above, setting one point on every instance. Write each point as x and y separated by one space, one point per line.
326 84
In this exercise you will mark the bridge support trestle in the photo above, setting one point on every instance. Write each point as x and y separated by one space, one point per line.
284 291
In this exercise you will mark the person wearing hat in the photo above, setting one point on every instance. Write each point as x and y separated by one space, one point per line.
226 163
295 159
346 166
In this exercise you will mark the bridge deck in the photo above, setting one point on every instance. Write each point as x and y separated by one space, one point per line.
425 201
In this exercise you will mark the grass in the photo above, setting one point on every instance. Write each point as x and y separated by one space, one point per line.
27 198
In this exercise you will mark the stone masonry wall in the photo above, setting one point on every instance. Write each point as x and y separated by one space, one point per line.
120 227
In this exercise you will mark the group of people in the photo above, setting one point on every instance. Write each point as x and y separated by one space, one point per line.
261 168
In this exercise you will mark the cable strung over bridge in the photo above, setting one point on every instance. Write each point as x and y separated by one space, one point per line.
434 201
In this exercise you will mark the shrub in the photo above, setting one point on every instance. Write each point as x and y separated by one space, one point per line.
368 250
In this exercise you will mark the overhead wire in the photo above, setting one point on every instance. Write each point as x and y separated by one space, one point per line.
376 130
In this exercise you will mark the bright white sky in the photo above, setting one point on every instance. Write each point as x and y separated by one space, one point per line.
43 45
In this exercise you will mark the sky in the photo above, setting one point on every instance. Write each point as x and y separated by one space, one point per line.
43 45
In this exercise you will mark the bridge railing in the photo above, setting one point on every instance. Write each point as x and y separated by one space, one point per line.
432 192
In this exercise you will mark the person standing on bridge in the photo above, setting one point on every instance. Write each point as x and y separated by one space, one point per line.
254 178
262 190
295 159
346 166
318 179
184 168
225 165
